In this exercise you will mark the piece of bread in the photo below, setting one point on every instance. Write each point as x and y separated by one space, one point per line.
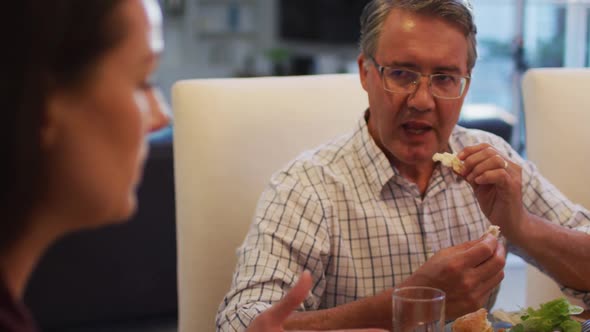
494 230
476 321
449 160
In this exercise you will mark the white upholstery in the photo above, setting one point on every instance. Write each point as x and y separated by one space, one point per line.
557 113
230 135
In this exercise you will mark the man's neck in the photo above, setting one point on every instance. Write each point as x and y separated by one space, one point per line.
419 174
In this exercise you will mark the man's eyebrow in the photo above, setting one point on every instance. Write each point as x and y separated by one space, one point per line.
413 66
447 69
398 64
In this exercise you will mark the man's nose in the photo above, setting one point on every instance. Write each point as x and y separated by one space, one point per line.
422 99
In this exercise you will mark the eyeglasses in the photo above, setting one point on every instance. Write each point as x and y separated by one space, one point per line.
444 86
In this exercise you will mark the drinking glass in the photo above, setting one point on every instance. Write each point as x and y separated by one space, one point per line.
418 309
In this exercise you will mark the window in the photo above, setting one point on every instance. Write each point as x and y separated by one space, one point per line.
514 35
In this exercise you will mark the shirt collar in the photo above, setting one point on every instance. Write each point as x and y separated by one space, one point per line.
379 170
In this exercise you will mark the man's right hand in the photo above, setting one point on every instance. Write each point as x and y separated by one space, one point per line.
468 273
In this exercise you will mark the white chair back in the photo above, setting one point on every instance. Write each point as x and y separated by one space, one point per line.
557 113
230 135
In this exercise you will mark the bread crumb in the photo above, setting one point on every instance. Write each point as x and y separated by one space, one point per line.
449 160
494 230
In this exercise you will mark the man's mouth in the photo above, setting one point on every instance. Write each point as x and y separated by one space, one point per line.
416 127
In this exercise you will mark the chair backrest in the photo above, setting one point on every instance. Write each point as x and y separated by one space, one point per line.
230 135
557 113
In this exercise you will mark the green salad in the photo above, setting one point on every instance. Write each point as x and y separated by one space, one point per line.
551 316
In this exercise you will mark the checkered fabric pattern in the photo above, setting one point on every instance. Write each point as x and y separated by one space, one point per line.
344 213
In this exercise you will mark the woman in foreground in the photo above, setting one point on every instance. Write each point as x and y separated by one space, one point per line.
77 107
78 104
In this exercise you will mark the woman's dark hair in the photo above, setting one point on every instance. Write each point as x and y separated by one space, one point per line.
47 45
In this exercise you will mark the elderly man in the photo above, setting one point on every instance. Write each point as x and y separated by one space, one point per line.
371 211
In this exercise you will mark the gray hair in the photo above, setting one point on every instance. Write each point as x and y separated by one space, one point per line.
456 12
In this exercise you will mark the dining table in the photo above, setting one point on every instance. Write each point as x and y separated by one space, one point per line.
584 315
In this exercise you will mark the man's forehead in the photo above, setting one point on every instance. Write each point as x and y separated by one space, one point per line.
407 20
407 23
421 42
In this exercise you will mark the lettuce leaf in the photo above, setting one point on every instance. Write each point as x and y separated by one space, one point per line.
551 316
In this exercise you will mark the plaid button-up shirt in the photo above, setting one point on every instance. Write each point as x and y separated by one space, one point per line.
343 212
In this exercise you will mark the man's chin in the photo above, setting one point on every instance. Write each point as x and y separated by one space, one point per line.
417 156
411 154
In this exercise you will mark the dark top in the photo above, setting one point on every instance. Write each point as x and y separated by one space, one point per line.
14 317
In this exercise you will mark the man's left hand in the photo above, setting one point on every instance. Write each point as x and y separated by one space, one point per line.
497 184
272 319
